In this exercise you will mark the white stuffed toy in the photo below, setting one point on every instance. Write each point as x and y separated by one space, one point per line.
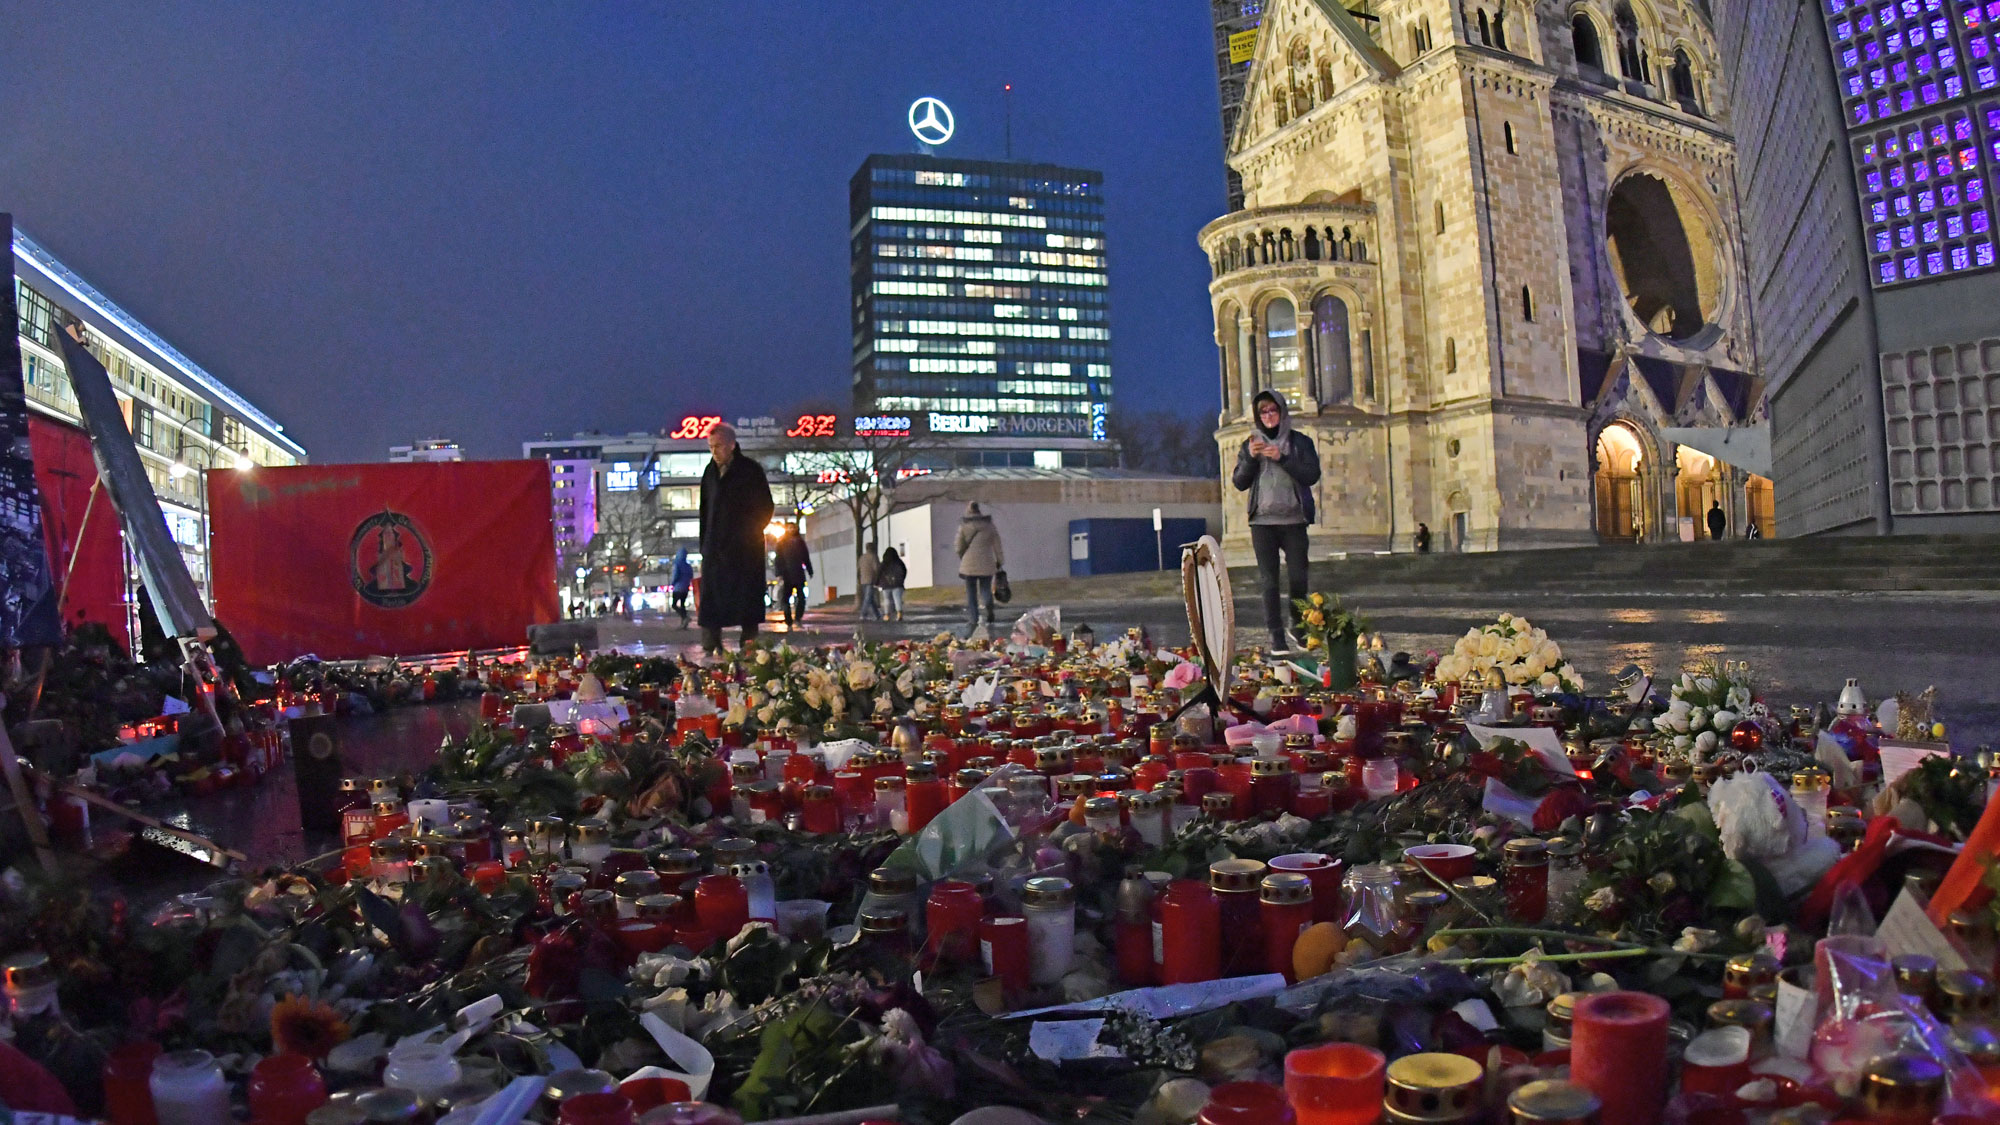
1758 820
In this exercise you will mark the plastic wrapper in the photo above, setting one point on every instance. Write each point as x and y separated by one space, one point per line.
1039 626
1860 1016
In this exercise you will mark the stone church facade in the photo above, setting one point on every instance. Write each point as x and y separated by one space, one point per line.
1489 250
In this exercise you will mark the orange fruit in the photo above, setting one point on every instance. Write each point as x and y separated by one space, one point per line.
1318 945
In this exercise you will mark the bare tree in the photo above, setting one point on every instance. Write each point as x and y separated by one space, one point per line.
859 474
630 528
1164 442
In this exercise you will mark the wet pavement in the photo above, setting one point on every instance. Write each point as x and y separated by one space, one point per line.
1801 647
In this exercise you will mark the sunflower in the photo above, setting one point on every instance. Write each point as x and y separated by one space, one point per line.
302 1026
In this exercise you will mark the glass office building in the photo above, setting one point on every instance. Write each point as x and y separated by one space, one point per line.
981 303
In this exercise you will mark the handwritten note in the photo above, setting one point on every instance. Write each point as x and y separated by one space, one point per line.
1899 758
1906 930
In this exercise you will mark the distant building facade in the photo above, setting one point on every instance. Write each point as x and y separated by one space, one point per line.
184 420
981 302
433 449
1870 135
1488 254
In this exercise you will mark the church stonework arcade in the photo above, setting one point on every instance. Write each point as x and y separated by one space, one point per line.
1489 253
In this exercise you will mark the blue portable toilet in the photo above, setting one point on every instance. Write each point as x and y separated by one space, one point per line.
1121 545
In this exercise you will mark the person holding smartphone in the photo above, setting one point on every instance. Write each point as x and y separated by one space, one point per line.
1278 468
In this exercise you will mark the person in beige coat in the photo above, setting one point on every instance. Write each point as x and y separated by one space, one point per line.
981 555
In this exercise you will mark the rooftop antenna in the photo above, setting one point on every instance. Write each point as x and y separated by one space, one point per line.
1007 95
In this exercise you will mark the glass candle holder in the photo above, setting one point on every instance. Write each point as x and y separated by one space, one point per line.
1003 950
128 1072
1335 1084
722 904
188 1089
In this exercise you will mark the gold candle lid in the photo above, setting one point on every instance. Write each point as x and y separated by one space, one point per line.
1747 969
592 832
1217 802
1905 1086
1270 767
1070 786
656 907
1562 1009
677 862
1434 1087
1812 781
638 884
883 922
28 970
1476 885
1285 888
1101 807
1915 972
892 882
1965 992
1553 1103
1750 1014
1048 890
1527 850
1235 874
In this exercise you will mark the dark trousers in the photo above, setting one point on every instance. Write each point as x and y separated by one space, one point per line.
792 598
1267 540
978 588
711 639
681 604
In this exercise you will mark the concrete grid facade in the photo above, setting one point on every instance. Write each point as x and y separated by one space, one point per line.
1468 249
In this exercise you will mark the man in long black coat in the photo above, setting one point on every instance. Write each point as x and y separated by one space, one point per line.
735 509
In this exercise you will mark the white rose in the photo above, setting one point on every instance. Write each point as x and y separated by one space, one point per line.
1517 674
766 714
1687 682
1552 653
1723 720
1704 742
1705 684
1739 698
1524 646
757 698
1672 722
1679 708
1489 645
737 713
1682 742
1534 665
882 704
1698 719
1550 681
814 699
763 657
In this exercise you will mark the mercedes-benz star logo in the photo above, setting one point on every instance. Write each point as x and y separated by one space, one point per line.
930 120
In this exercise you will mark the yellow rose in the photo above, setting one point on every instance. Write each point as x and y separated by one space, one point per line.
1312 641
1315 617
1319 599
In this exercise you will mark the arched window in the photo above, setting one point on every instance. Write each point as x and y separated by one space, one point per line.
1440 216
1683 81
1333 356
1485 33
1583 37
1246 361
1450 354
1281 344
1631 51
1500 29
1424 29
1325 79
1527 305
1507 134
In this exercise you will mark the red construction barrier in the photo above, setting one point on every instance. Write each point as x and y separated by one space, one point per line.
361 560
88 550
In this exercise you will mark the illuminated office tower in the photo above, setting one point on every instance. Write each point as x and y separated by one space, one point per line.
981 304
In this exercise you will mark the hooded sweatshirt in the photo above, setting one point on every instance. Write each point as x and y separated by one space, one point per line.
1281 490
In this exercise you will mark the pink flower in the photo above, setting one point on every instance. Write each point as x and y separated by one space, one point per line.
1181 675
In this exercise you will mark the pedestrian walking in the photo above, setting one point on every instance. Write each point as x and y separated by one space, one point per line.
794 567
1423 539
1278 468
682 580
1753 531
980 556
1717 522
735 509
890 581
865 570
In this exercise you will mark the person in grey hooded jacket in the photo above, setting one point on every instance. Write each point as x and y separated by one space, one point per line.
981 555
1278 468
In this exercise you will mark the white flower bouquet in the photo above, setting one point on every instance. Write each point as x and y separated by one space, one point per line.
1522 654
1705 705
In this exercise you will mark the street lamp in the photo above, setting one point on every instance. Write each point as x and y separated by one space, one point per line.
179 471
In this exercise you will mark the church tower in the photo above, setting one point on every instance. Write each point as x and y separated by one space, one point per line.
1476 234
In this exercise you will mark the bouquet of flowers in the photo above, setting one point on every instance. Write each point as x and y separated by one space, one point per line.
1323 620
1521 653
1706 704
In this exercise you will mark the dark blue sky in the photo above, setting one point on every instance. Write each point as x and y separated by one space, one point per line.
388 221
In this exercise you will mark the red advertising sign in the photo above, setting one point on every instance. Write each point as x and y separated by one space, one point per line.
80 525
345 561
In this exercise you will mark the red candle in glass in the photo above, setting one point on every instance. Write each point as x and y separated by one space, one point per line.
855 792
1618 1051
643 935
1526 880
923 799
1324 871
722 904
595 1109
283 1089
1285 910
820 811
951 917
1236 781
1312 803
1336 1084
492 705
1193 760
1270 786
1151 772
488 876
1248 1103
1190 937
1003 949
128 1091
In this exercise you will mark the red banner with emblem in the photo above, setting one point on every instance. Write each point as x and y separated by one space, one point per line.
345 561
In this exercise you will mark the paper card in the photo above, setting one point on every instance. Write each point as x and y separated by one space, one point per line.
1504 802
1058 1041
697 1066
1544 741
1899 758
1905 929
512 1103
1792 1020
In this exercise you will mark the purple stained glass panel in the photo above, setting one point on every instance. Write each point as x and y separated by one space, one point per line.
1926 201
1887 271
1982 253
1930 231
1906 236
1954 226
1977 220
1959 258
1934 262
1878 211
1909 267
1948 195
1975 190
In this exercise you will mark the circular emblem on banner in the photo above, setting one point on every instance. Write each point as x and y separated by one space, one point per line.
320 746
388 560
930 120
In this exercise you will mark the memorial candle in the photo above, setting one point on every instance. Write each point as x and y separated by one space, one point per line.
1618 1051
